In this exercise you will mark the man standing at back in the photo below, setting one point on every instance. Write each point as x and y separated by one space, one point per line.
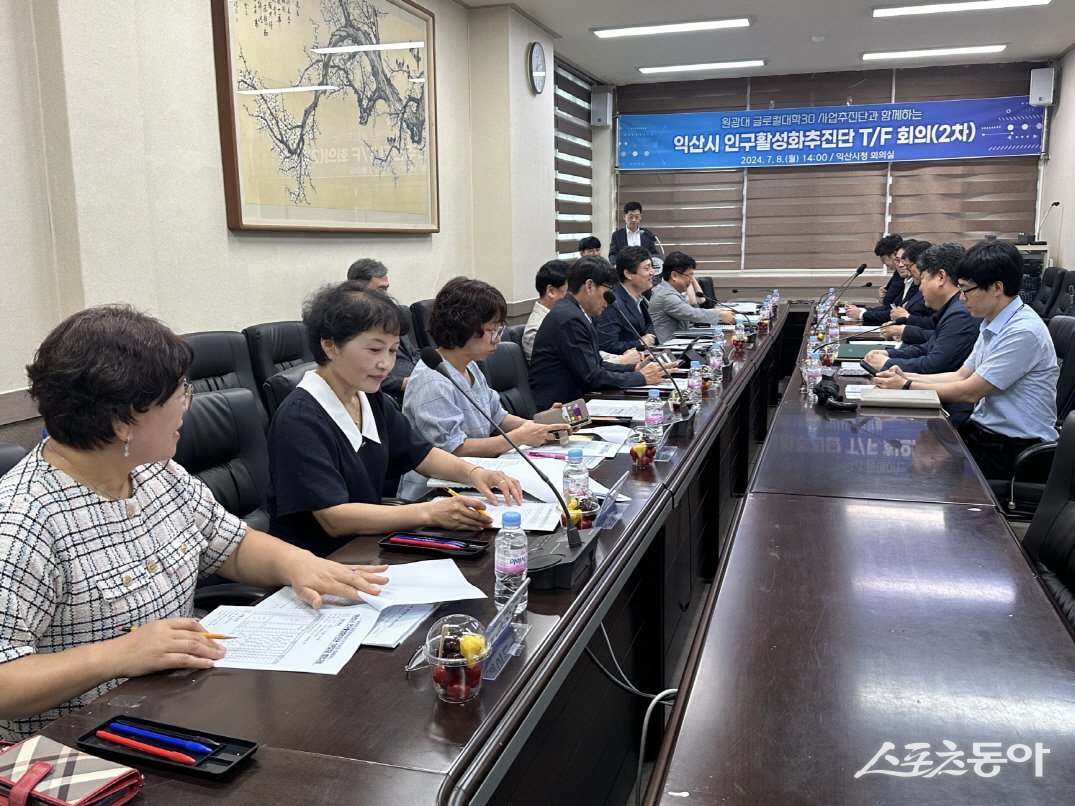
1011 373
632 234
618 326
565 363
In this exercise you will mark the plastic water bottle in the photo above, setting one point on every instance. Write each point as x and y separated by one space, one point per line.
776 300
813 372
764 315
511 561
694 383
716 368
654 410
576 477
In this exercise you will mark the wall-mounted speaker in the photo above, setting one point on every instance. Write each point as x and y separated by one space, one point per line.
601 106
1042 86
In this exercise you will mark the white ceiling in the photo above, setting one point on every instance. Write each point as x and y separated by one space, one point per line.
781 33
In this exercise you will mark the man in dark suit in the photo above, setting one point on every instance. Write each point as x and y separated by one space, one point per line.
633 234
565 364
617 326
886 249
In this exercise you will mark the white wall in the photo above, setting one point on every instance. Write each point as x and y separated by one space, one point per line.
1058 182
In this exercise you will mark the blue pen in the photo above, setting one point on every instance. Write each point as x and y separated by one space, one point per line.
163 738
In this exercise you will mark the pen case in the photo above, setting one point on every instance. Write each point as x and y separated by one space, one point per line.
471 548
40 771
226 754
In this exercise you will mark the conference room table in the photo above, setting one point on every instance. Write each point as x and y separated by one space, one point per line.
552 726
875 633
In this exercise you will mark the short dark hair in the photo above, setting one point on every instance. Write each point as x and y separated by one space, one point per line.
988 262
677 262
103 364
554 273
591 267
629 259
589 242
631 206
888 245
366 268
341 311
940 256
914 251
461 309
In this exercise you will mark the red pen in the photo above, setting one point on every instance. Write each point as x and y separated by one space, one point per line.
426 543
170 755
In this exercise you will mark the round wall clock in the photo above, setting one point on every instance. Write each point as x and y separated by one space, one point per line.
535 60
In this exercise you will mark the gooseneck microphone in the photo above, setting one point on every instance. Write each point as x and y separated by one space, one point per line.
1037 232
725 305
853 335
843 286
432 359
610 298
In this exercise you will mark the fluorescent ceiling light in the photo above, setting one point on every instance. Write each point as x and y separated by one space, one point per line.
364 48
672 28
944 8
278 90
923 54
685 68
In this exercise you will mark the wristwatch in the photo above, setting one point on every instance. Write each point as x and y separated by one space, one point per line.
907 385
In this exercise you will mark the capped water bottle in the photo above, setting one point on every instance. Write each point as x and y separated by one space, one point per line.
510 563
813 372
716 368
654 410
694 383
576 477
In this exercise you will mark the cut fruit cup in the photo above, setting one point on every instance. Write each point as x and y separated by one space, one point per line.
455 648
643 448
582 512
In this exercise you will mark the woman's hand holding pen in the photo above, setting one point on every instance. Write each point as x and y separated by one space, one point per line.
457 512
311 576
174 643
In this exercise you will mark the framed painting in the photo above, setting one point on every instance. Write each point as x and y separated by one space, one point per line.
327 115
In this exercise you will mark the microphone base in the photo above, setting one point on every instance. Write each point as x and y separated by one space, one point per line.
554 564
682 427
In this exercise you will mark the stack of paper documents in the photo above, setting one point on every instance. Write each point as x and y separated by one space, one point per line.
635 409
515 466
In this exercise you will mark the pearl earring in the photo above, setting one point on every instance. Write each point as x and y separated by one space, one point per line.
126 447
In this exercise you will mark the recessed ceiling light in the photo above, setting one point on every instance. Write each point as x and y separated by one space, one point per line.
944 8
364 48
672 28
278 90
684 68
923 54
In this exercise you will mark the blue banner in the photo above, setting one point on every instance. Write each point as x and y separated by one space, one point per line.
831 135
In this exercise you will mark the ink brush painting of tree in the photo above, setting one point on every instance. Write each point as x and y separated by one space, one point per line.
327 114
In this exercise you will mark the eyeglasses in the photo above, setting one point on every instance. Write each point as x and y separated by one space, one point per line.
496 333
964 290
188 394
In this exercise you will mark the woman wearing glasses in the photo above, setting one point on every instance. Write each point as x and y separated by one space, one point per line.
100 531
466 323
337 437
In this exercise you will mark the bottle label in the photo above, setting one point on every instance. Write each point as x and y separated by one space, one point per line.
514 562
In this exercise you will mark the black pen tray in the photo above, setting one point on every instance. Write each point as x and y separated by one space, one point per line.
471 548
228 752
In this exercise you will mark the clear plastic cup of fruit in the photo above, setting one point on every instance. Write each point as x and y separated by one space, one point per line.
455 648
582 512
643 448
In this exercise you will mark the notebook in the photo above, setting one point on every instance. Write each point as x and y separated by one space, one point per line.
900 398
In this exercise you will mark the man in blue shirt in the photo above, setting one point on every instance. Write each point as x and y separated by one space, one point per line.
1010 374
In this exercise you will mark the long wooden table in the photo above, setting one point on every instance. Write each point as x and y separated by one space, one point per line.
552 727
876 634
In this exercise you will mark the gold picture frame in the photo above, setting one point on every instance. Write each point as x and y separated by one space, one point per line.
327 115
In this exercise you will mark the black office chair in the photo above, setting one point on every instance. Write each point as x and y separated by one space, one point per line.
706 284
1050 538
280 385
222 361
420 317
1048 291
506 372
1065 297
514 334
222 443
275 346
10 455
1021 493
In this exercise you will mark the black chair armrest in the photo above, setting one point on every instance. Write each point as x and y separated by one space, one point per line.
209 597
1032 462
395 502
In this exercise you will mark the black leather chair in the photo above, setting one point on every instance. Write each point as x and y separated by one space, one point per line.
222 443
1047 291
506 372
420 317
514 333
280 385
10 455
276 346
222 361
1050 538
706 284
1065 297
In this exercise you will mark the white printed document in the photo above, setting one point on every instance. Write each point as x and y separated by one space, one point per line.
635 409
515 466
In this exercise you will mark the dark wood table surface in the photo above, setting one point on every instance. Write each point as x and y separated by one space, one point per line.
830 637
